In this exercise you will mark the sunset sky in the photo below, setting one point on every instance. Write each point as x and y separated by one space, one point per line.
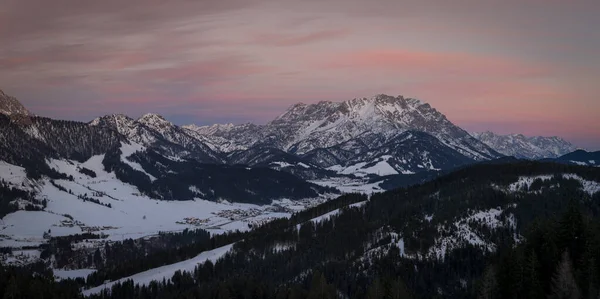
512 66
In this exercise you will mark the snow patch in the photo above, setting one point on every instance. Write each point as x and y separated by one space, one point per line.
166 272
130 149
589 187
462 232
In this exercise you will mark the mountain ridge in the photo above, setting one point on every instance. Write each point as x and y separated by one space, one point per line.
528 147
306 127
9 105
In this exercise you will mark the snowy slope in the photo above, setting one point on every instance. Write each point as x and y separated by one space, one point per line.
130 215
166 272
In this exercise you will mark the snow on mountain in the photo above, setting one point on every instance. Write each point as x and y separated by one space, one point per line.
524 184
379 167
227 138
10 106
129 149
407 153
216 143
304 128
154 131
461 232
521 146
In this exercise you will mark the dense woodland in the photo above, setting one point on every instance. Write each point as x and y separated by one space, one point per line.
354 254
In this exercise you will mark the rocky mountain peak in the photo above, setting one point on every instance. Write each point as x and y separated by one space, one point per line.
119 122
11 106
521 146
209 130
154 121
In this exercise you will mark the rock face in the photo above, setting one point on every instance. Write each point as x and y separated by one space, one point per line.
381 135
524 147
374 121
153 131
10 106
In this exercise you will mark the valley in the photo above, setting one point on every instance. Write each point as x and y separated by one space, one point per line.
328 191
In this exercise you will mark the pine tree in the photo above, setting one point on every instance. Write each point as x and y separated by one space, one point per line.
376 290
591 280
396 289
12 289
223 292
489 285
532 285
563 282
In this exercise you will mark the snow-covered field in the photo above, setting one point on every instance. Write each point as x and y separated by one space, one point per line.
130 215
346 185
380 168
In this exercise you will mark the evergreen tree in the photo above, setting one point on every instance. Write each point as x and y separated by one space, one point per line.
532 285
319 289
396 289
12 289
376 290
563 281
489 285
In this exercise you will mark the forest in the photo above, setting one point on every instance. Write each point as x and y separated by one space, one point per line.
545 243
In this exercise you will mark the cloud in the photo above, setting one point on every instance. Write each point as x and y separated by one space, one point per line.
439 63
249 59
286 40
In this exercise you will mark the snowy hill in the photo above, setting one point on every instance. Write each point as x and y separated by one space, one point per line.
85 197
463 218
521 146
580 157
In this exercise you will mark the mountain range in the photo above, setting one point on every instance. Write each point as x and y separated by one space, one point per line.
363 137
521 146
126 199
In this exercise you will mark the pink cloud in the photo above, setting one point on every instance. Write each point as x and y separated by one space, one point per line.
17 61
206 71
442 63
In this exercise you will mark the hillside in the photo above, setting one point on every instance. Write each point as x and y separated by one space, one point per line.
436 238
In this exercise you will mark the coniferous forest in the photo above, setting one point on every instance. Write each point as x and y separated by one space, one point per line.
535 240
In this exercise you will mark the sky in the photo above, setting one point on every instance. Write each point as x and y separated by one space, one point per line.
512 66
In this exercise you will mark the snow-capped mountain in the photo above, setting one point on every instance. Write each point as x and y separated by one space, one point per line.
521 146
155 132
375 136
160 159
10 106
304 128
